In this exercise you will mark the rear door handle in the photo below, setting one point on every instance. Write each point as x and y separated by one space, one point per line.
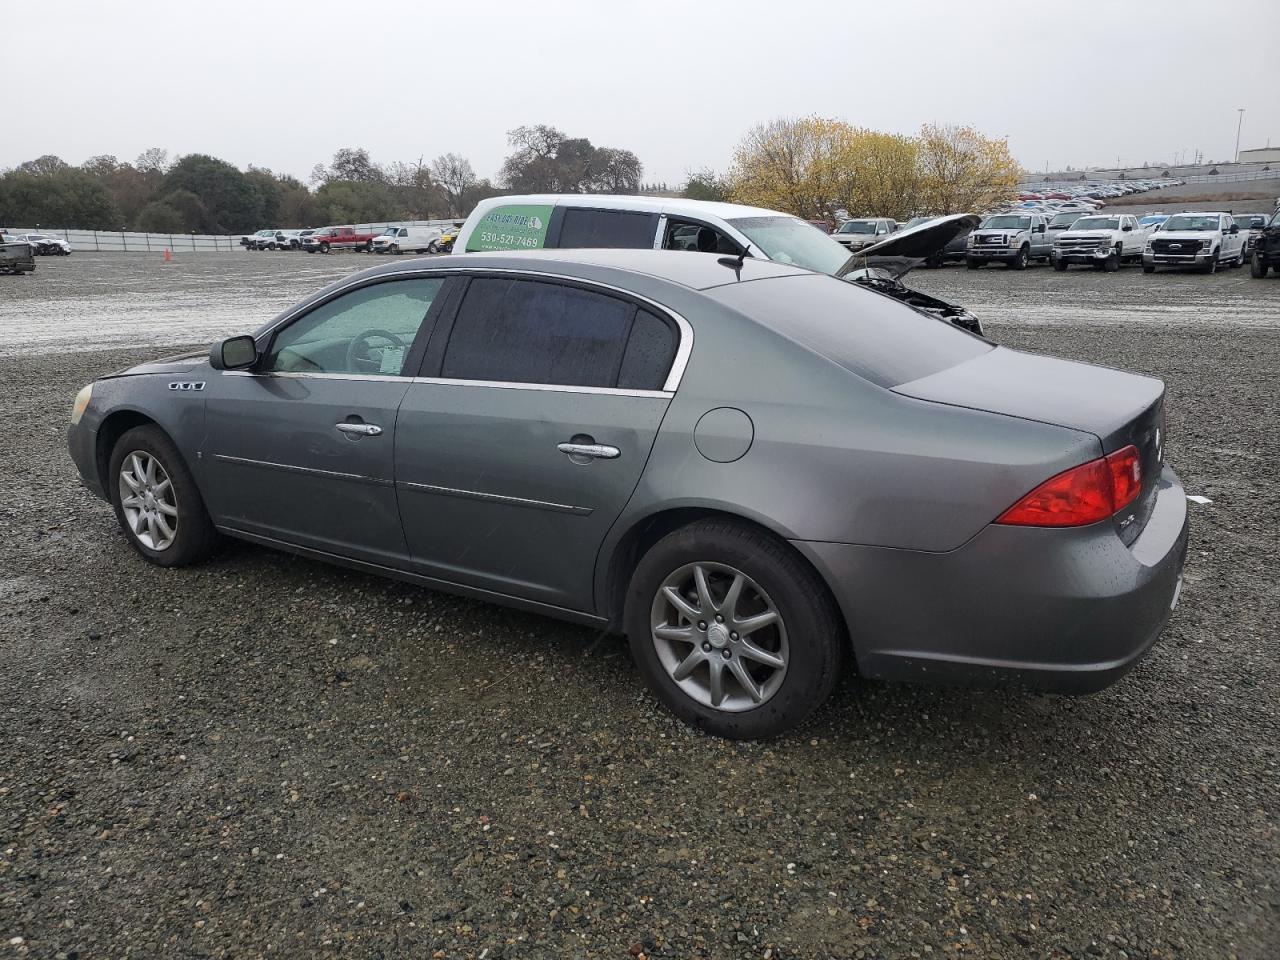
360 429
590 451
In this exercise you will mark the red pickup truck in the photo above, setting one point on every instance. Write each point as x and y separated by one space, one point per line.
338 238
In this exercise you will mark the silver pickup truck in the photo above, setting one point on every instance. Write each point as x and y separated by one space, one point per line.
15 256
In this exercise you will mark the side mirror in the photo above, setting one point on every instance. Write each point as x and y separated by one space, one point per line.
234 353
1127 227
1041 228
1235 228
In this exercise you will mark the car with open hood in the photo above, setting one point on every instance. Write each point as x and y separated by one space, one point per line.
570 221
754 471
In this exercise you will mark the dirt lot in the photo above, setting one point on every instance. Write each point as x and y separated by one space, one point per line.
268 756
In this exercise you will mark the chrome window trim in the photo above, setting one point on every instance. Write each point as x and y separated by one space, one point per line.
497 498
448 382
294 468
683 350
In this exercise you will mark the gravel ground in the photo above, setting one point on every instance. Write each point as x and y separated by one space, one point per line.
269 756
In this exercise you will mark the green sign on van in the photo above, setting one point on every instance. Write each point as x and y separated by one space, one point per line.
517 226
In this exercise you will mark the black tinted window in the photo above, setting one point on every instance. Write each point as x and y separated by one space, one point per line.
871 335
607 228
650 350
522 331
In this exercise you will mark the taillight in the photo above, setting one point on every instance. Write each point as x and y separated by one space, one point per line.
1082 495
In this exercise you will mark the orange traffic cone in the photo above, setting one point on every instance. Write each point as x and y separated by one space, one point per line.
168 257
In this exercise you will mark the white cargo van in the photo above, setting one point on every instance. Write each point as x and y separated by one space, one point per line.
408 240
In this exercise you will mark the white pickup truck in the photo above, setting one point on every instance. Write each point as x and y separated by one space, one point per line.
1200 240
1103 241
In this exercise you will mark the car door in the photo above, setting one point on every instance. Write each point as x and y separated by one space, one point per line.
299 447
1231 242
1040 242
528 432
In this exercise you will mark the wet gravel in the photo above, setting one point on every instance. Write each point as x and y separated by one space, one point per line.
266 756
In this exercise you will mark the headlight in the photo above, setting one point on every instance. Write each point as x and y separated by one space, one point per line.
81 403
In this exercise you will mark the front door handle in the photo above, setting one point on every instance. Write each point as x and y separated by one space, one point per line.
581 452
360 429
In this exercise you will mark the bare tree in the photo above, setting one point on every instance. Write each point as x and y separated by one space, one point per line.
153 160
454 175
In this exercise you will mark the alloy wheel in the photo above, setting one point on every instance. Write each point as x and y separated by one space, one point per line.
148 501
719 636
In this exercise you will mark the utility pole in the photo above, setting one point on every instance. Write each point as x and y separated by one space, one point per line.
1239 124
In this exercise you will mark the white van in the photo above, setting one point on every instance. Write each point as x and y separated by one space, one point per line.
408 240
731 230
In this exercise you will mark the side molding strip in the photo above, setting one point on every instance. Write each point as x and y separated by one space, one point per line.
497 498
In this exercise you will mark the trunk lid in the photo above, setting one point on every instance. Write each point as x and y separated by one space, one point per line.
1118 408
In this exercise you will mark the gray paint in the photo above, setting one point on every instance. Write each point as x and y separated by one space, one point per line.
889 494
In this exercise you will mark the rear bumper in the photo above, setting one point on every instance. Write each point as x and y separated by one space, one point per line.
1065 610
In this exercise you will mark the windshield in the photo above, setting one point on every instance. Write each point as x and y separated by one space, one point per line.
1006 223
916 221
1147 221
857 226
1251 221
789 240
1185 221
1065 219
1097 223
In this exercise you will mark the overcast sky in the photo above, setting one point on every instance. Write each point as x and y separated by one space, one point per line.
283 84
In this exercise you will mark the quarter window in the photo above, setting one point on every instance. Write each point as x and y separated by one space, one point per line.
366 331
526 331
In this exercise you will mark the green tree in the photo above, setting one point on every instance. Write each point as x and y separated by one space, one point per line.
705 184
231 201
545 160
348 201
64 197
159 217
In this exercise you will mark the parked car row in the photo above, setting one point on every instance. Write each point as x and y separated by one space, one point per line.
392 239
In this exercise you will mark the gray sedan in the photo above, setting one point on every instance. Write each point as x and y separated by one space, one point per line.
751 470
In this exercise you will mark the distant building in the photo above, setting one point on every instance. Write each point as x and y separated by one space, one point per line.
1261 155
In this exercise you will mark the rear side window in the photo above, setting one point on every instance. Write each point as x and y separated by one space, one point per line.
525 331
867 333
607 228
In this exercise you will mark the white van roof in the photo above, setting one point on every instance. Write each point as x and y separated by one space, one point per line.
610 201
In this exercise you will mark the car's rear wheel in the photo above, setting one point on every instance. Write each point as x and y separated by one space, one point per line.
156 499
732 630
1239 260
1258 267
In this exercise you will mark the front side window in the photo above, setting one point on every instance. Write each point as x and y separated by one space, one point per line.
526 331
366 331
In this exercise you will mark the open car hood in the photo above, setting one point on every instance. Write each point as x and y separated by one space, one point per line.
901 252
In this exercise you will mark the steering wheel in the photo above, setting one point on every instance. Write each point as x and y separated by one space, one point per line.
358 349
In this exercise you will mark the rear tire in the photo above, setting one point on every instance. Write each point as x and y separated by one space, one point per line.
805 639
158 502
1258 267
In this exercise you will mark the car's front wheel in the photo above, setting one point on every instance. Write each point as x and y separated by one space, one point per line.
156 500
1021 260
732 630
1258 267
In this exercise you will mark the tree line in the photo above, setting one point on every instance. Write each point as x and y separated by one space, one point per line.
811 167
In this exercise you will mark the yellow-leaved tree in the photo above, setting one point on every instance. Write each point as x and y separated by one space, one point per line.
814 166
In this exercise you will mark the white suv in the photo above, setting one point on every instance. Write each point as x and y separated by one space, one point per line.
1200 240
1104 241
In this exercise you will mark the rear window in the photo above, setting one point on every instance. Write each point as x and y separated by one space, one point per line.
607 228
868 334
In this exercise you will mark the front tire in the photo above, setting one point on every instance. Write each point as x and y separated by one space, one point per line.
1212 265
433 247
732 630
971 263
1060 265
1021 260
156 501
1112 263
1148 268
1258 267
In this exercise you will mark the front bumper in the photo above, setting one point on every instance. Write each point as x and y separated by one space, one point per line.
1083 255
991 253
82 444
1069 610
1199 258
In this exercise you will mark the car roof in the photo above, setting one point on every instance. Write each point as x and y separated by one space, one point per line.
609 201
697 271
